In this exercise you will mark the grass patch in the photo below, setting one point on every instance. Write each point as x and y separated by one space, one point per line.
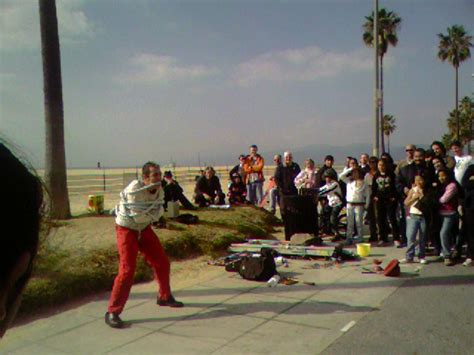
66 271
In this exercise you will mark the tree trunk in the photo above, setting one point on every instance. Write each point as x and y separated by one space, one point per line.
388 143
382 139
55 169
456 107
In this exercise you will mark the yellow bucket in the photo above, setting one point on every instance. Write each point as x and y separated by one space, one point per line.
363 249
96 204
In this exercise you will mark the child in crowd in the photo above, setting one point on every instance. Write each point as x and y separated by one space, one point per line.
332 191
448 211
237 190
357 196
384 195
416 202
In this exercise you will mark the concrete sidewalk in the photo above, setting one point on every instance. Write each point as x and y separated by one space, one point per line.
223 314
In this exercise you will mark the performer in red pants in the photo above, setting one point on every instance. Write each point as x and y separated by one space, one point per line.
141 204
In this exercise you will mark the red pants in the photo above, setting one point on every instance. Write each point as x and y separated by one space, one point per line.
129 242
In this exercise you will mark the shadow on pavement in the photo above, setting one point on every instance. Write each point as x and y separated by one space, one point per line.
225 310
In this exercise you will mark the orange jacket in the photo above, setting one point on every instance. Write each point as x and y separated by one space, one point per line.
253 167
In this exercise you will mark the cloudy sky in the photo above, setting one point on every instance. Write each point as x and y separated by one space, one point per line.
176 79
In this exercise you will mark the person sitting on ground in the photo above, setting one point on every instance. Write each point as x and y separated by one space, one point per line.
385 197
141 204
237 190
24 192
416 202
174 192
208 189
239 168
357 197
440 151
332 191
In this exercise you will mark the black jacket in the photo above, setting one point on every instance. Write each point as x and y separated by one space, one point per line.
212 187
406 176
285 176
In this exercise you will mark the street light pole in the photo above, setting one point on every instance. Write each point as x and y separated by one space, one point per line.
375 149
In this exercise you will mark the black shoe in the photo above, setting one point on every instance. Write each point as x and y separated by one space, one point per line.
170 302
113 320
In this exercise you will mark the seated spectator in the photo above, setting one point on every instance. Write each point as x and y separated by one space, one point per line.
208 189
237 190
174 192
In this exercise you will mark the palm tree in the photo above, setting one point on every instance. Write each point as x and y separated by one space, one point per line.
465 115
455 48
388 127
389 23
55 169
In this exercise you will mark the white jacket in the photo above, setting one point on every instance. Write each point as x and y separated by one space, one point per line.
357 194
138 207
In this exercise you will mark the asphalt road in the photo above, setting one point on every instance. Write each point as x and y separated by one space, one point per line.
429 314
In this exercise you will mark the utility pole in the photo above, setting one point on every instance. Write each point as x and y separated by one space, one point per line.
375 149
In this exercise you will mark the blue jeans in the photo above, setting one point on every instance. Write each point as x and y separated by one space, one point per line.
274 198
448 229
415 223
255 192
355 213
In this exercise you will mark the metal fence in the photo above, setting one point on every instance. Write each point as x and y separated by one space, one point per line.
113 180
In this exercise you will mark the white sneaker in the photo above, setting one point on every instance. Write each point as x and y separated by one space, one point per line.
423 261
467 262
397 243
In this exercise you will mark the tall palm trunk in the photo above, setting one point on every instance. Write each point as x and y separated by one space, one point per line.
55 169
388 143
382 139
456 105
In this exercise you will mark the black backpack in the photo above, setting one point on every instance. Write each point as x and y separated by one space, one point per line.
258 267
